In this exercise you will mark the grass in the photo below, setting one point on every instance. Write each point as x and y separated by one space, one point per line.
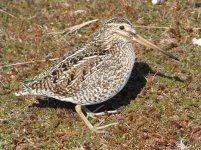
158 107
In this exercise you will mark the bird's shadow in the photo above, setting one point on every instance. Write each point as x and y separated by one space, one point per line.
133 87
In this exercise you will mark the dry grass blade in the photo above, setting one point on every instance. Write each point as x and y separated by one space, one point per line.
1 10
28 62
73 28
154 27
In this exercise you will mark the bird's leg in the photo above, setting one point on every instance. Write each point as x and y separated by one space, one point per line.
97 128
83 117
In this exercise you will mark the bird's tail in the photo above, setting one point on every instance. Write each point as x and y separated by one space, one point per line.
21 93
24 91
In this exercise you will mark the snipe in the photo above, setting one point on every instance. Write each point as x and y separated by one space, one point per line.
92 72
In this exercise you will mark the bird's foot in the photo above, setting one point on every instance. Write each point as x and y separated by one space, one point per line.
97 127
94 113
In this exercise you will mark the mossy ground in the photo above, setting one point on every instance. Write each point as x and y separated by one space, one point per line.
158 107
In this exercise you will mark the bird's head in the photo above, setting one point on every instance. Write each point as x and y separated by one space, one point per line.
121 28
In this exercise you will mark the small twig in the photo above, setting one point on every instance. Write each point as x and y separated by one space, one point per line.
55 33
3 86
73 28
196 28
29 141
28 62
32 143
154 27
154 75
1 10
2 120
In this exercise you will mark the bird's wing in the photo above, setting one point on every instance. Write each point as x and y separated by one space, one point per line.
66 76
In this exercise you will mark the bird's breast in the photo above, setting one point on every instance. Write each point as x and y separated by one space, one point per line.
108 78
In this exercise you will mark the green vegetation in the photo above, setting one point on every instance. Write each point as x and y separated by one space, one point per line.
159 106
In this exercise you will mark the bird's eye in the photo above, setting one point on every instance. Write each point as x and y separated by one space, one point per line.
121 27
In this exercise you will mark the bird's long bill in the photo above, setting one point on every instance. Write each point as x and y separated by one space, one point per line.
144 42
